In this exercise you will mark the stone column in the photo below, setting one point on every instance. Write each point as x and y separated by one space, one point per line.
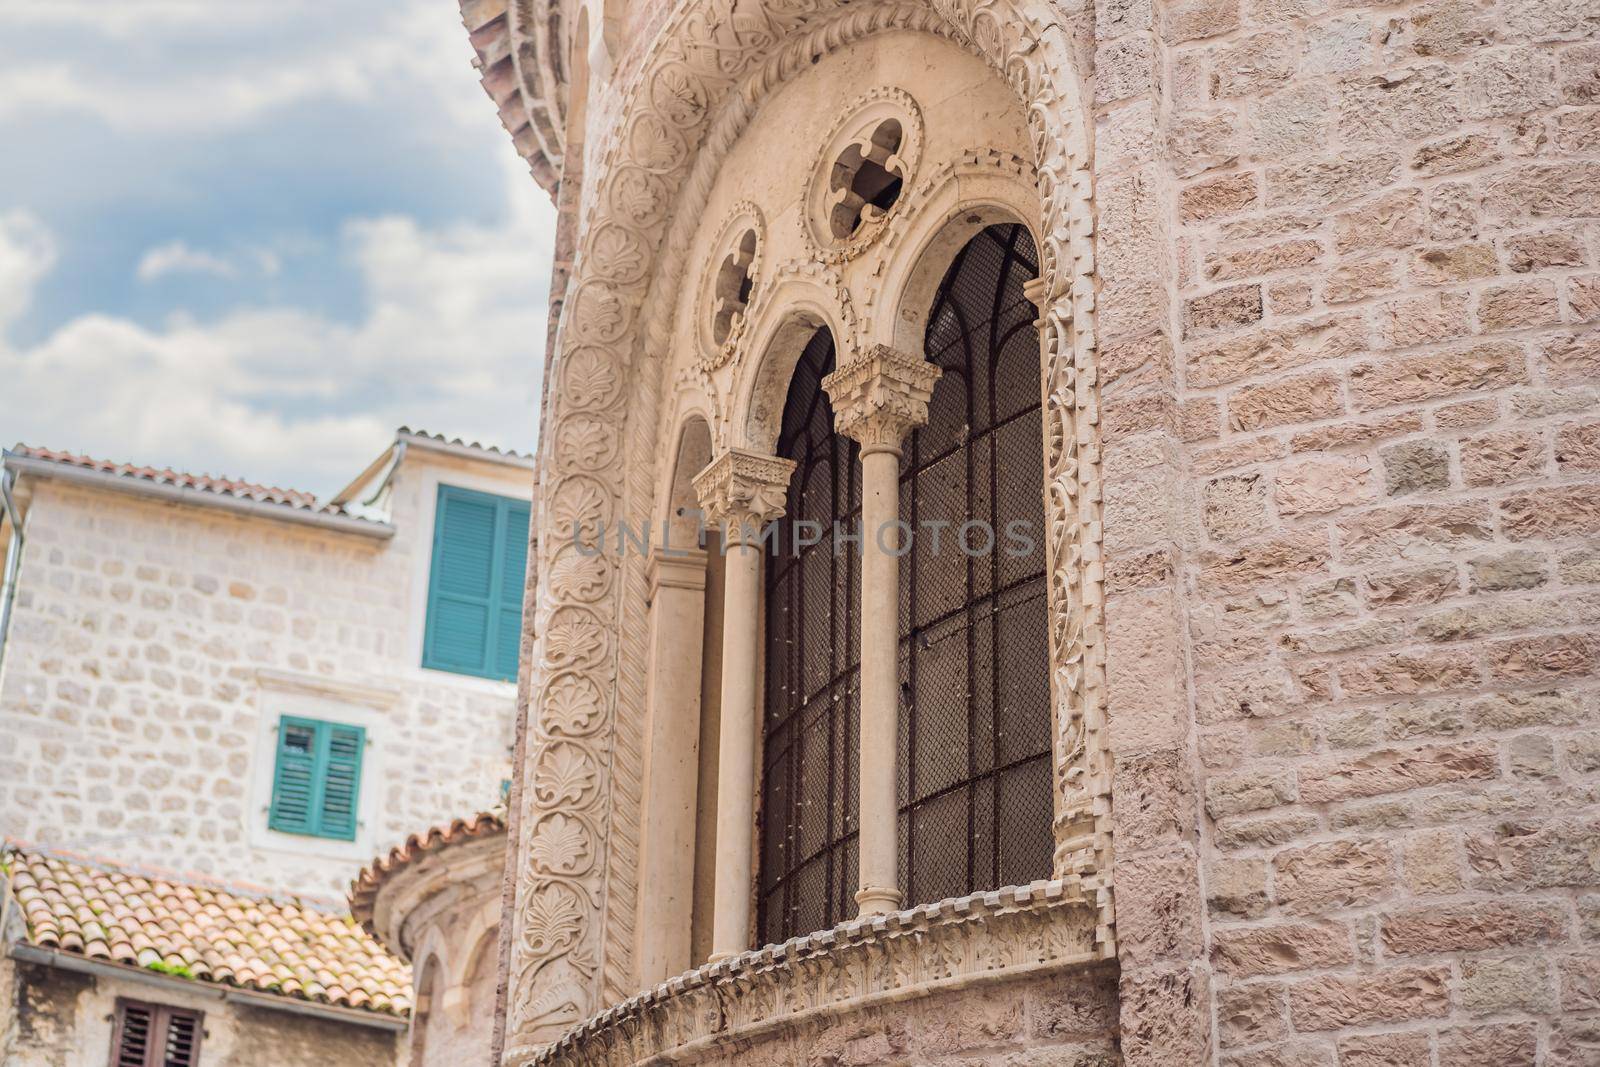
671 769
741 492
877 399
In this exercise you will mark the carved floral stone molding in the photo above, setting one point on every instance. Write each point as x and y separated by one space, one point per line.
880 397
987 937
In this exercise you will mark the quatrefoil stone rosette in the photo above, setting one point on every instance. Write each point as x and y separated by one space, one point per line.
862 117
745 218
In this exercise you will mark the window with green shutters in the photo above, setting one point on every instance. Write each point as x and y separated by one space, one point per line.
316 783
480 554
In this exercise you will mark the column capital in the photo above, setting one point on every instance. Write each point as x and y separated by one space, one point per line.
881 396
743 490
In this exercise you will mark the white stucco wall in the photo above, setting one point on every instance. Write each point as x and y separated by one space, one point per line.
155 645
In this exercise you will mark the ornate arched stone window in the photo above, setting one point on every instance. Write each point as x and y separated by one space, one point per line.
974 795
807 859
974 666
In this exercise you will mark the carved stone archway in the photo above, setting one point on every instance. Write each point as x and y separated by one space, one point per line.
713 62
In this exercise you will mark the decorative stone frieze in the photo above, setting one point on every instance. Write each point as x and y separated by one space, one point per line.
743 490
881 397
991 937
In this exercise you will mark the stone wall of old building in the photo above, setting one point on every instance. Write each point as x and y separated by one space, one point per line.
154 646
1351 386
62 1018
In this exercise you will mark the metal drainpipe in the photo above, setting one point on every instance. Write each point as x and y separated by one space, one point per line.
8 590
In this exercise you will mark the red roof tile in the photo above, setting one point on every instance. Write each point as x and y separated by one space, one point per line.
206 483
364 890
202 931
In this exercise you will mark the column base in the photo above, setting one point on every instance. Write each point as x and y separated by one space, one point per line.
878 900
718 957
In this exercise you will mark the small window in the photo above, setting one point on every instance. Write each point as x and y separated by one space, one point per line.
316 784
154 1035
480 556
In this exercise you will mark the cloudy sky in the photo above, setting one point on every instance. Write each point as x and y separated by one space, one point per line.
254 237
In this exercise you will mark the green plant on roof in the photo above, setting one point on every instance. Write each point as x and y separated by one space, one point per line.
177 970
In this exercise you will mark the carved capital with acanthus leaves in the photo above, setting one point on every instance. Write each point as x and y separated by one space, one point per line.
742 490
881 396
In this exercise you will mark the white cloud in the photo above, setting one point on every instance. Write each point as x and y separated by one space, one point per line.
264 55
27 252
452 339
176 257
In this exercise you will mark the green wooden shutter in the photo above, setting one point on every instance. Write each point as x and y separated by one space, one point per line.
480 556
341 781
294 778
513 573
316 785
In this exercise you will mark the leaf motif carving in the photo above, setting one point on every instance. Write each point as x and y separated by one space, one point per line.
563 775
571 706
560 845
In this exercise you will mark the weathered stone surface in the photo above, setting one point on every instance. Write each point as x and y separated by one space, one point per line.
1281 948
1410 1048
1468 927
1322 878
1415 467
1394 995
1395 770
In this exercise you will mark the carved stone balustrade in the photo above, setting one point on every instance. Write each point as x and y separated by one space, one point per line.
993 938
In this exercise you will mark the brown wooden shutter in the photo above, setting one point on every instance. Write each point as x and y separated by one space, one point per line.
154 1035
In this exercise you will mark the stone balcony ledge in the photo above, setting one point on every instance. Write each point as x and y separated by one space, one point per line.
986 937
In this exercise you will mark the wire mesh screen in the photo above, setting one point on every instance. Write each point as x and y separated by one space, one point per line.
974 667
807 835
974 788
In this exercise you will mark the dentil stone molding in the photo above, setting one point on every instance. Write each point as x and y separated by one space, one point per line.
743 490
984 938
571 918
881 396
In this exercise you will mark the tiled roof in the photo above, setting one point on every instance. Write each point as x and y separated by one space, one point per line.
207 932
476 446
364 890
205 483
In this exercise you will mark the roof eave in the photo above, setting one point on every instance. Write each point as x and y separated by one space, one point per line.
463 451
43 468
68 961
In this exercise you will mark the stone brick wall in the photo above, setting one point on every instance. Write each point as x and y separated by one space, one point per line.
60 1018
132 703
1351 346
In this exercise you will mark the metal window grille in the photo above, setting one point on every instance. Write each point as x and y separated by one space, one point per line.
807 840
975 801
974 791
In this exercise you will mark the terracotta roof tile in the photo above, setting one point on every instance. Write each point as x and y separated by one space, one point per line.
207 932
206 483
364 890
476 446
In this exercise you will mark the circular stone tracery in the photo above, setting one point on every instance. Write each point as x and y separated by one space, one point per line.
862 171
730 285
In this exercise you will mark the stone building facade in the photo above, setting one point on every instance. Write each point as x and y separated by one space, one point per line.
163 627
434 901
1317 300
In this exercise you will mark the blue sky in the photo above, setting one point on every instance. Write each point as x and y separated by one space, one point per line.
252 238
